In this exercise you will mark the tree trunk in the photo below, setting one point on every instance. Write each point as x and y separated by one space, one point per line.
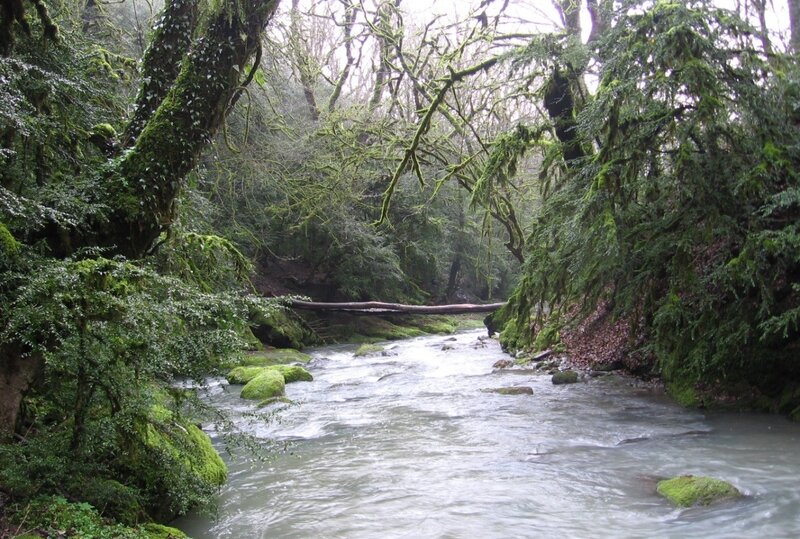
143 185
195 73
17 375
378 307
794 23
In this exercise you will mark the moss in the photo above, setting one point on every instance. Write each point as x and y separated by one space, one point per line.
190 447
159 531
684 393
510 336
688 490
204 459
367 349
292 373
269 383
252 343
193 449
565 377
8 244
275 356
242 375
104 130
436 325
282 329
548 337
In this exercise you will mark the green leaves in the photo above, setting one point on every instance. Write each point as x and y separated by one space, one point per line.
686 215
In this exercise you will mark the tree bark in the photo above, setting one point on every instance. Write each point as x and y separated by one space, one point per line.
794 24
302 59
162 62
195 89
17 374
143 185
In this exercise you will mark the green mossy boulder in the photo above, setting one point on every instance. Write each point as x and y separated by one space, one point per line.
269 383
292 373
274 356
689 490
565 377
192 448
159 531
367 349
282 328
242 375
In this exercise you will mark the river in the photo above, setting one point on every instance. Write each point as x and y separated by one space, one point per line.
407 445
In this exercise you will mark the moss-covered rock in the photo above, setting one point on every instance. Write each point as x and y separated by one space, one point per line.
292 373
274 356
367 349
282 328
269 383
252 343
243 374
565 377
689 490
159 531
191 447
437 325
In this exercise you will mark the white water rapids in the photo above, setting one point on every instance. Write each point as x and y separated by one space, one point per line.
406 445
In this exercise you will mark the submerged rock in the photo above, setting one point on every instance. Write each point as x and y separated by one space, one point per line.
367 349
275 400
270 383
689 490
503 364
565 377
516 390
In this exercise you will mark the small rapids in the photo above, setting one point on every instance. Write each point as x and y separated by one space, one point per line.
405 444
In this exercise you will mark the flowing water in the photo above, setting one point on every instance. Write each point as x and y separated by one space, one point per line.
407 445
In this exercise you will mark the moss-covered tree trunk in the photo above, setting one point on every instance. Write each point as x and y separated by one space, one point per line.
143 184
194 71
17 374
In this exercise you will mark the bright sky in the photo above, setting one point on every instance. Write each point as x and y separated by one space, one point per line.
540 15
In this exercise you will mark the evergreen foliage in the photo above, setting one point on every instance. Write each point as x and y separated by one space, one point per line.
684 216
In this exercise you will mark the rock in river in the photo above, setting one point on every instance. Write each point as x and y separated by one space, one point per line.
565 377
516 390
689 490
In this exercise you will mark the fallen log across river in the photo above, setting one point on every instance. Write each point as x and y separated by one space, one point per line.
378 307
